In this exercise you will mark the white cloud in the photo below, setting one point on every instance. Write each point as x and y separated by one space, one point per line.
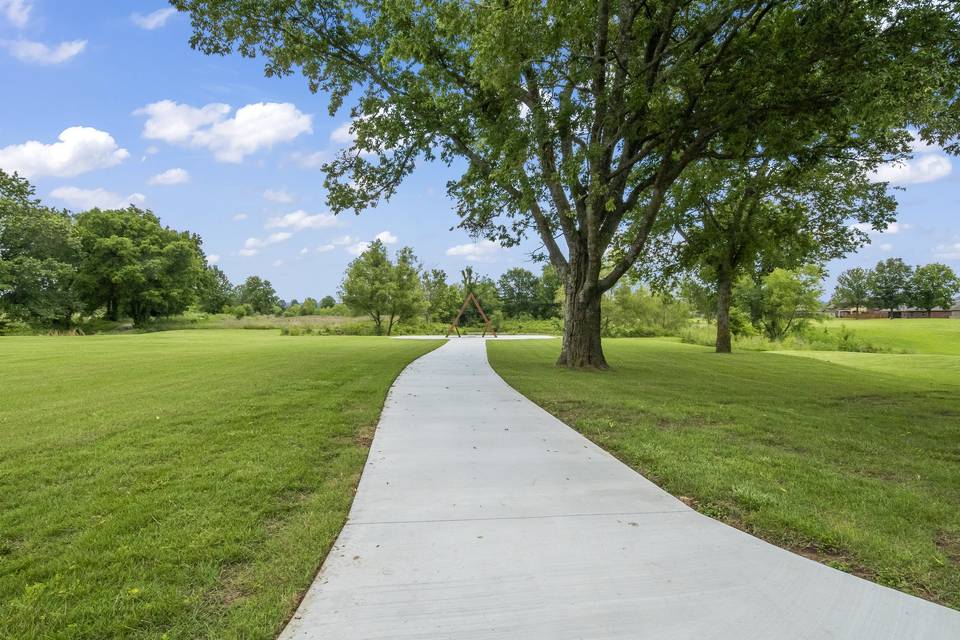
304 251
386 237
40 53
310 160
947 252
85 199
923 168
252 127
482 251
278 195
357 248
153 20
239 216
253 245
80 149
325 247
342 240
17 12
892 229
277 263
886 247
300 219
170 177
213 258
342 134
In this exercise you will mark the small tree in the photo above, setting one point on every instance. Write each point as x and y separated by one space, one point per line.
258 294
328 302
933 285
853 289
386 292
787 299
889 284
215 292
309 307
441 300
518 291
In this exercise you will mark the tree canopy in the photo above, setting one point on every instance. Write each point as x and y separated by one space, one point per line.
573 119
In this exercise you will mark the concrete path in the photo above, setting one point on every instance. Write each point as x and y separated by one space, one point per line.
479 515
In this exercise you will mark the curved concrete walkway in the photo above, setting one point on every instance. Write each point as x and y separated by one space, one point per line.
479 515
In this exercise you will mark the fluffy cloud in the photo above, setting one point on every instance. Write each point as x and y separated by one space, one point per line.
386 237
947 251
325 247
170 177
252 127
253 245
342 240
80 149
84 199
17 12
153 20
342 134
300 219
357 248
278 195
892 229
926 167
40 53
213 258
482 251
237 217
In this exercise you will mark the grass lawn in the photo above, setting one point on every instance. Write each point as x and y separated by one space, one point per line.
920 335
183 484
849 458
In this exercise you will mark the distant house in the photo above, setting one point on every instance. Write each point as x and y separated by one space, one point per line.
903 312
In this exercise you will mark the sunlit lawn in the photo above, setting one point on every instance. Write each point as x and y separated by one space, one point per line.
184 484
850 458
913 335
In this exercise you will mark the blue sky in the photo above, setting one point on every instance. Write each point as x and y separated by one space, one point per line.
107 104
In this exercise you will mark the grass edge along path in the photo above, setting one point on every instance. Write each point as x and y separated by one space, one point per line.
180 484
842 462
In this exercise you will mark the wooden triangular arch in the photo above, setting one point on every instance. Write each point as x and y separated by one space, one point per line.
455 325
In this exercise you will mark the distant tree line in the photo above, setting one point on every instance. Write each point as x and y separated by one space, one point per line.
893 284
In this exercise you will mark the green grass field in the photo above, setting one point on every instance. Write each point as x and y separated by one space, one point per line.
849 458
920 335
177 485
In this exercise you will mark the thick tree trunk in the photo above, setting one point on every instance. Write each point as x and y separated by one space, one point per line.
581 329
724 295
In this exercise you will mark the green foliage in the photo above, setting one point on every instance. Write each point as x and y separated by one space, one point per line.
933 285
853 289
386 291
259 295
327 302
785 301
131 264
635 313
442 300
215 292
889 283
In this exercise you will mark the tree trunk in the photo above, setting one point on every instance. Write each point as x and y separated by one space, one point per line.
581 328
724 295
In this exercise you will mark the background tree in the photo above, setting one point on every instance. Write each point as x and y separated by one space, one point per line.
933 285
327 302
39 252
755 215
546 303
309 307
485 291
441 300
518 292
132 264
406 296
367 284
788 299
574 118
214 291
889 284
259 294
852 289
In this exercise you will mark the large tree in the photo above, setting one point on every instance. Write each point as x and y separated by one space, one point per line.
388 292
933 285
259 294
853 289
132 264
574 117
756 215
214 291
889 284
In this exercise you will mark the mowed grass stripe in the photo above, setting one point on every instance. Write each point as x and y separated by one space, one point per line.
855 463
178 484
